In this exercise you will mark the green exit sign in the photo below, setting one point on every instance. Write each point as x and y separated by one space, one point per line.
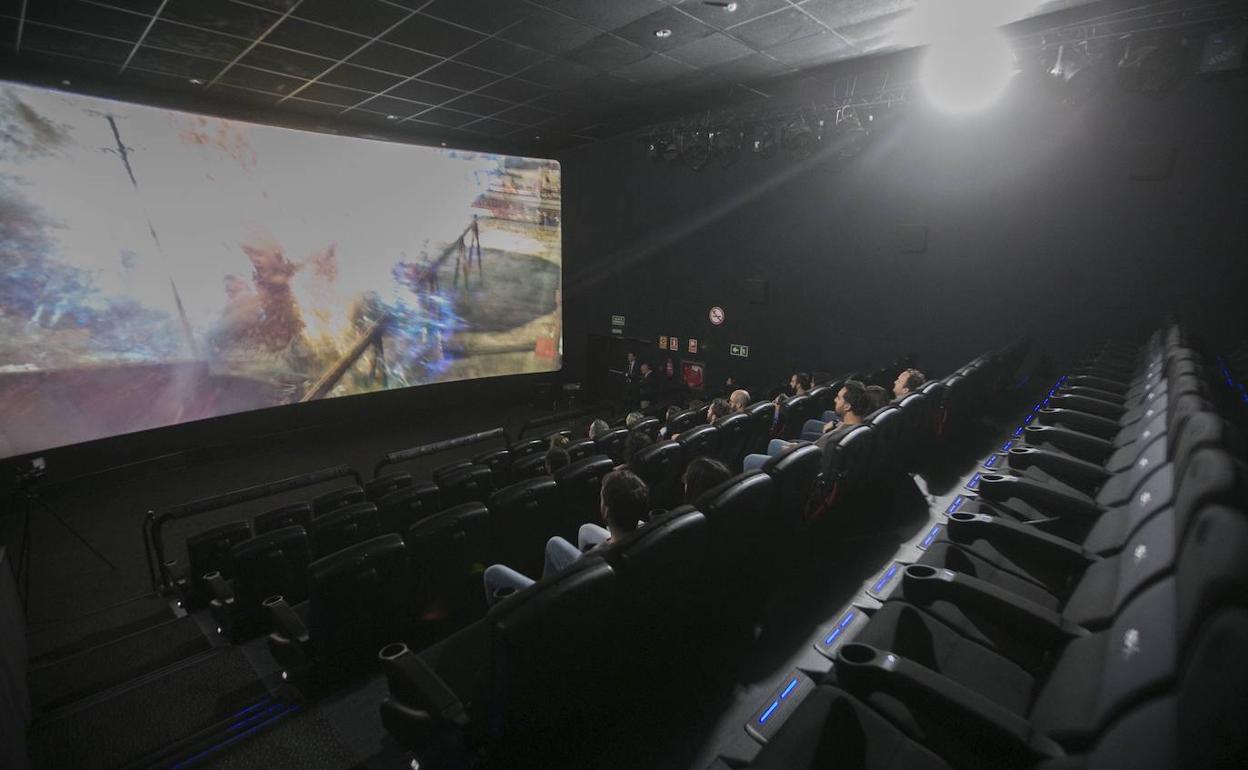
739 350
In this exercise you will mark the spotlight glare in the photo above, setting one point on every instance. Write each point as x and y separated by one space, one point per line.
967 74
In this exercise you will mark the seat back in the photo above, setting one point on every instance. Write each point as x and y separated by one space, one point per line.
343 527
936 391
337 498
358 597
270 564
794 474
660 466
664 583
734 431
761 415
847 461
386 483
579 490
683 421
499 463
547 660
523 516
442 471
209 551
738 512
700 441
611 444
581 448
528 448
449 551
295 514
886 429
529 467
471 484
915 429
797 411
404 507
649 426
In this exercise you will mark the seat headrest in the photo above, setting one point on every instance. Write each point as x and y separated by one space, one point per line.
746 488
521 491
594 465
462 516
356 558
285 537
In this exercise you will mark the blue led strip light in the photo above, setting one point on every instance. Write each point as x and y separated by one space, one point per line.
931 536
775 704
991 461
956 504
883 581
789 688
1019 430
1006 446
974 482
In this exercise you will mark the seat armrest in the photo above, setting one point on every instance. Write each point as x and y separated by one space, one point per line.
924 584
221 589
863 670
964 527
1086 447
1081 403
176 574
1054 502
1083 475
1092 424
413 683
285 622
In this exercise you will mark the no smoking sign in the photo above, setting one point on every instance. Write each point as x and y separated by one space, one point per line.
717 315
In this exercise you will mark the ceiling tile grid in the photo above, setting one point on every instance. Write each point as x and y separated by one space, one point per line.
572 71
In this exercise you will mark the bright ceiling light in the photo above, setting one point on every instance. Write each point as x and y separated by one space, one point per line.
967 72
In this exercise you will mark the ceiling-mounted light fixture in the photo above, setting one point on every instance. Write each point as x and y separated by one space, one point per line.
764 144
195 82
662 33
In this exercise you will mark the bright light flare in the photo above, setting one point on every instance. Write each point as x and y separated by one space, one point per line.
969 72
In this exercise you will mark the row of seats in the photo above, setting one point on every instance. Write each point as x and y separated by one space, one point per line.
627 622
445 546
1083 607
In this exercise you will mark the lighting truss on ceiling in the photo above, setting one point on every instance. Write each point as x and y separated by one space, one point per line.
763 128
851 105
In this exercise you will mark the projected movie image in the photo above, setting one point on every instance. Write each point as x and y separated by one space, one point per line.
158 267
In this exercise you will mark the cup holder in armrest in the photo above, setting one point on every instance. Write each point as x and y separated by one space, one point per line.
855 654
920 572
966 517
392 651
274 600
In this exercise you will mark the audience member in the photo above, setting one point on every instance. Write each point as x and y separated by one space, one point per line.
799 385
559 440
739 400
879 397
623 503
637 440
632 419
672 411
908 382
556 458
719 408
598 428
702 474
851 405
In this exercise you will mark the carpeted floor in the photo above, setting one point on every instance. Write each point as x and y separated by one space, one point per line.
125 728
59 682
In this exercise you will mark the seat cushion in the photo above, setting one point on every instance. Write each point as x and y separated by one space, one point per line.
902 628
833 729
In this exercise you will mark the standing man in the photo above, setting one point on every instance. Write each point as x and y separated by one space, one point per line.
649 385
632 378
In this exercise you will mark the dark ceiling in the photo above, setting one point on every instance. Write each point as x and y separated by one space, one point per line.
521 75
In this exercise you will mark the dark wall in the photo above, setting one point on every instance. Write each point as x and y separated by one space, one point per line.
1034 225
